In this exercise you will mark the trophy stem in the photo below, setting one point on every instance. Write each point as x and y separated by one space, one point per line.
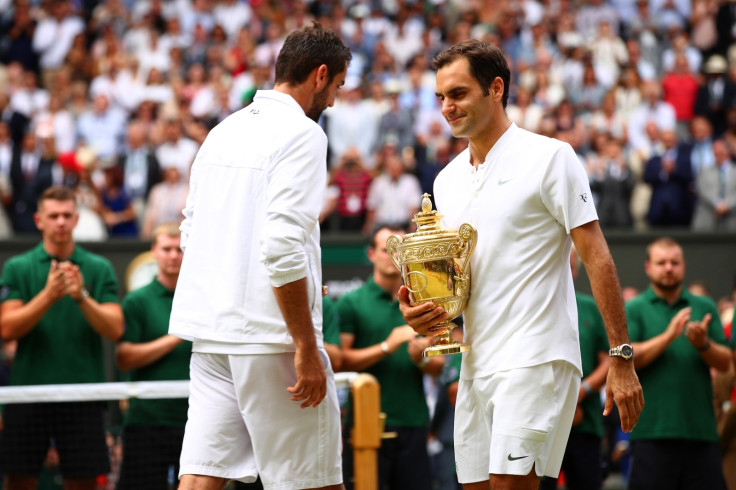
445 345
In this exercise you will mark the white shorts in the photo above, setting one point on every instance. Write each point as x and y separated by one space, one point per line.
242 423
511 420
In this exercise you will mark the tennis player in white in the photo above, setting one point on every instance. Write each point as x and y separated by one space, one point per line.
529 198
262 395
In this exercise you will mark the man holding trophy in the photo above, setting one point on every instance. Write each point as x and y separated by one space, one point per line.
529 199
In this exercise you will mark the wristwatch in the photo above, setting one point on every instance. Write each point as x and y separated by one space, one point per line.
624 351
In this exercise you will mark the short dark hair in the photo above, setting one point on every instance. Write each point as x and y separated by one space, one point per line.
57 193
486 63
306 49
664 242
392 228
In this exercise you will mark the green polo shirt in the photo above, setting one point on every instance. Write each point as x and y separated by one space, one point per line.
62 347
370 314
330 325
147 312
677 385
593 340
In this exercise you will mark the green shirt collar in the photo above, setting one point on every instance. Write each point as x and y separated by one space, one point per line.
377 290
161 290
684 299
77 257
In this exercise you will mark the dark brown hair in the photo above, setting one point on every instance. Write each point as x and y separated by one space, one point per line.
306 49
486 63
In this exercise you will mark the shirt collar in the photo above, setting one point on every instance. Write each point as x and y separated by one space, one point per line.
160 289
277 96
377 290
652 297
77 257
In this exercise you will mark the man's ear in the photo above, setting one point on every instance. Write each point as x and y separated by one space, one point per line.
497 88
322 77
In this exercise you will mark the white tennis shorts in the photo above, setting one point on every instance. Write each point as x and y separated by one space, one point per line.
511 420
241 423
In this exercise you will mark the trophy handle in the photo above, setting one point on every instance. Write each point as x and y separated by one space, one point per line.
468 236
392 247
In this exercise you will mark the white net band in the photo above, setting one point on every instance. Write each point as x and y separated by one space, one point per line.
113 391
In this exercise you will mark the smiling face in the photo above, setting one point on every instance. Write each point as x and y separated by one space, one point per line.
467 110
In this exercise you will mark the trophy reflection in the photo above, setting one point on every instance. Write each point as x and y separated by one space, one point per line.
435 266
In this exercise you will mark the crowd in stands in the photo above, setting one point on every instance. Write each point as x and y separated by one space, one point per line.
113 98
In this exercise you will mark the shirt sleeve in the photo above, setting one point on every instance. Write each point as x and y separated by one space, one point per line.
345 315
330 325
565 190
295 192
9 283
133 320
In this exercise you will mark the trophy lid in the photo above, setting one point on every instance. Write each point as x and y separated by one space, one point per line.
428 223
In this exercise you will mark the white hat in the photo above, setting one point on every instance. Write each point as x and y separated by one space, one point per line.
716 64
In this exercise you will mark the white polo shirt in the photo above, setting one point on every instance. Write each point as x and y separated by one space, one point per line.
251 222
524 200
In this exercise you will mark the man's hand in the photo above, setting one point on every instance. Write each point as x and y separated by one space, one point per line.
677 324
55 281
697 332
311 380
73 280
399 335
622 385
422 318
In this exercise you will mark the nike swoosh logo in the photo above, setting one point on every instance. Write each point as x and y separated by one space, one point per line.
511 458
502 182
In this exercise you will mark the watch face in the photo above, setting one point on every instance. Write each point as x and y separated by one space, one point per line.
627 351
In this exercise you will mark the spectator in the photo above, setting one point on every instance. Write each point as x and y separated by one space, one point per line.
396 124
583 460
651 109
670 175
176 150
716 93
166 201
393 198
90 226
31 173
117 206
54 36
19 31
57 283
679 89
102 128
153 429
702 139
614 183
57 122
351 123
677 338
715 208
352 181
375 339
141 170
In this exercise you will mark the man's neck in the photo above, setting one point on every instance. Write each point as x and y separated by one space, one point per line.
669 295
481 145
61 252
167 281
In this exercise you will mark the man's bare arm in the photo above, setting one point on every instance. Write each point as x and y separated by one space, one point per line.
311 382
622 382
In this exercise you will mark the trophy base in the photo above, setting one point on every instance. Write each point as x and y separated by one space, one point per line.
445 349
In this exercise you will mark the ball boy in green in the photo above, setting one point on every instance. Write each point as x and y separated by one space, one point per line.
58 301
154 428
677 339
